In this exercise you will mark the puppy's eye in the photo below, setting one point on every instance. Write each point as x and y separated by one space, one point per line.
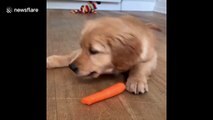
93 52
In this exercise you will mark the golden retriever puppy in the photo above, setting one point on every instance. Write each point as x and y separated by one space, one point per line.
114 45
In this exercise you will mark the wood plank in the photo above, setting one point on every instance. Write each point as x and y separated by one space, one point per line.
72 109
51 109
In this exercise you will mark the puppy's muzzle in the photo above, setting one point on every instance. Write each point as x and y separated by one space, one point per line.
74 67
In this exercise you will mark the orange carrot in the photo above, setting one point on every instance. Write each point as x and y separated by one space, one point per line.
104 94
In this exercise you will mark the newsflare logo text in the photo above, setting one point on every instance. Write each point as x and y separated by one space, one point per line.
21 10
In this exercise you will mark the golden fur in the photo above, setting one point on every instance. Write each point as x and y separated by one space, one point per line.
114 45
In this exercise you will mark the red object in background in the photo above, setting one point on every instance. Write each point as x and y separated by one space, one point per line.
85 9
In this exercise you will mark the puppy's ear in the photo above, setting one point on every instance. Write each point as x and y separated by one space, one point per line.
125 49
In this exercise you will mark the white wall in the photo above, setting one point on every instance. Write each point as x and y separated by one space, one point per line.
138 5
123 5
160 6
99 0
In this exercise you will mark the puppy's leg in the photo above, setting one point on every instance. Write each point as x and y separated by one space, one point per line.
138 75
55 61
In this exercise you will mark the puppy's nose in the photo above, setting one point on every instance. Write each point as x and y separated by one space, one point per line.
73 67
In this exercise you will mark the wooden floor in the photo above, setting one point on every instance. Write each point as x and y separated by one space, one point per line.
65 90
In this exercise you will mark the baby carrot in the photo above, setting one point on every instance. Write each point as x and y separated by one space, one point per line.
104 94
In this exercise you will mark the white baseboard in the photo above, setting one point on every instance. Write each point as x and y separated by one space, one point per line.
77 5
136 5
160 10
125 5
99 0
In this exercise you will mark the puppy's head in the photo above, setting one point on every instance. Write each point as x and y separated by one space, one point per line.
107 47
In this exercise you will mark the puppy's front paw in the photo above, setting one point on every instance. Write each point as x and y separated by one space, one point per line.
137 86
51 62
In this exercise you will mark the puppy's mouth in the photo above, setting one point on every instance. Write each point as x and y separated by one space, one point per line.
92 74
